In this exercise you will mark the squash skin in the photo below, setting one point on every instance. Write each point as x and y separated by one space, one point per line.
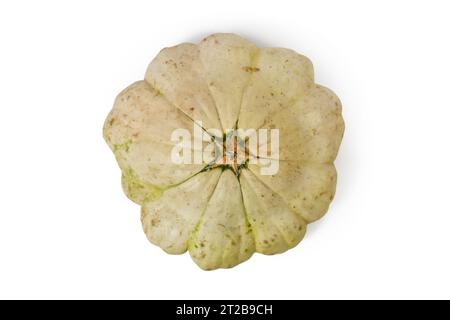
222 216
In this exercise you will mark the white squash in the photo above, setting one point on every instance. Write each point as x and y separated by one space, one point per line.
224 212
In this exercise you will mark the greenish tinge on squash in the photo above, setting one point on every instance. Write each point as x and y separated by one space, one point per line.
123 146
137 190
220 212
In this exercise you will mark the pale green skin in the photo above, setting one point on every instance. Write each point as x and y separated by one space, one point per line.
221 217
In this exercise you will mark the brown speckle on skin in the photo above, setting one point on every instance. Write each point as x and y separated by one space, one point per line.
154 221
171 62
250 69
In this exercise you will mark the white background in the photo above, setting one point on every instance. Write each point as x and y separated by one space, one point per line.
68 231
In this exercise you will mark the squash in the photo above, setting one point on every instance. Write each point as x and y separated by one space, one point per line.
233 200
